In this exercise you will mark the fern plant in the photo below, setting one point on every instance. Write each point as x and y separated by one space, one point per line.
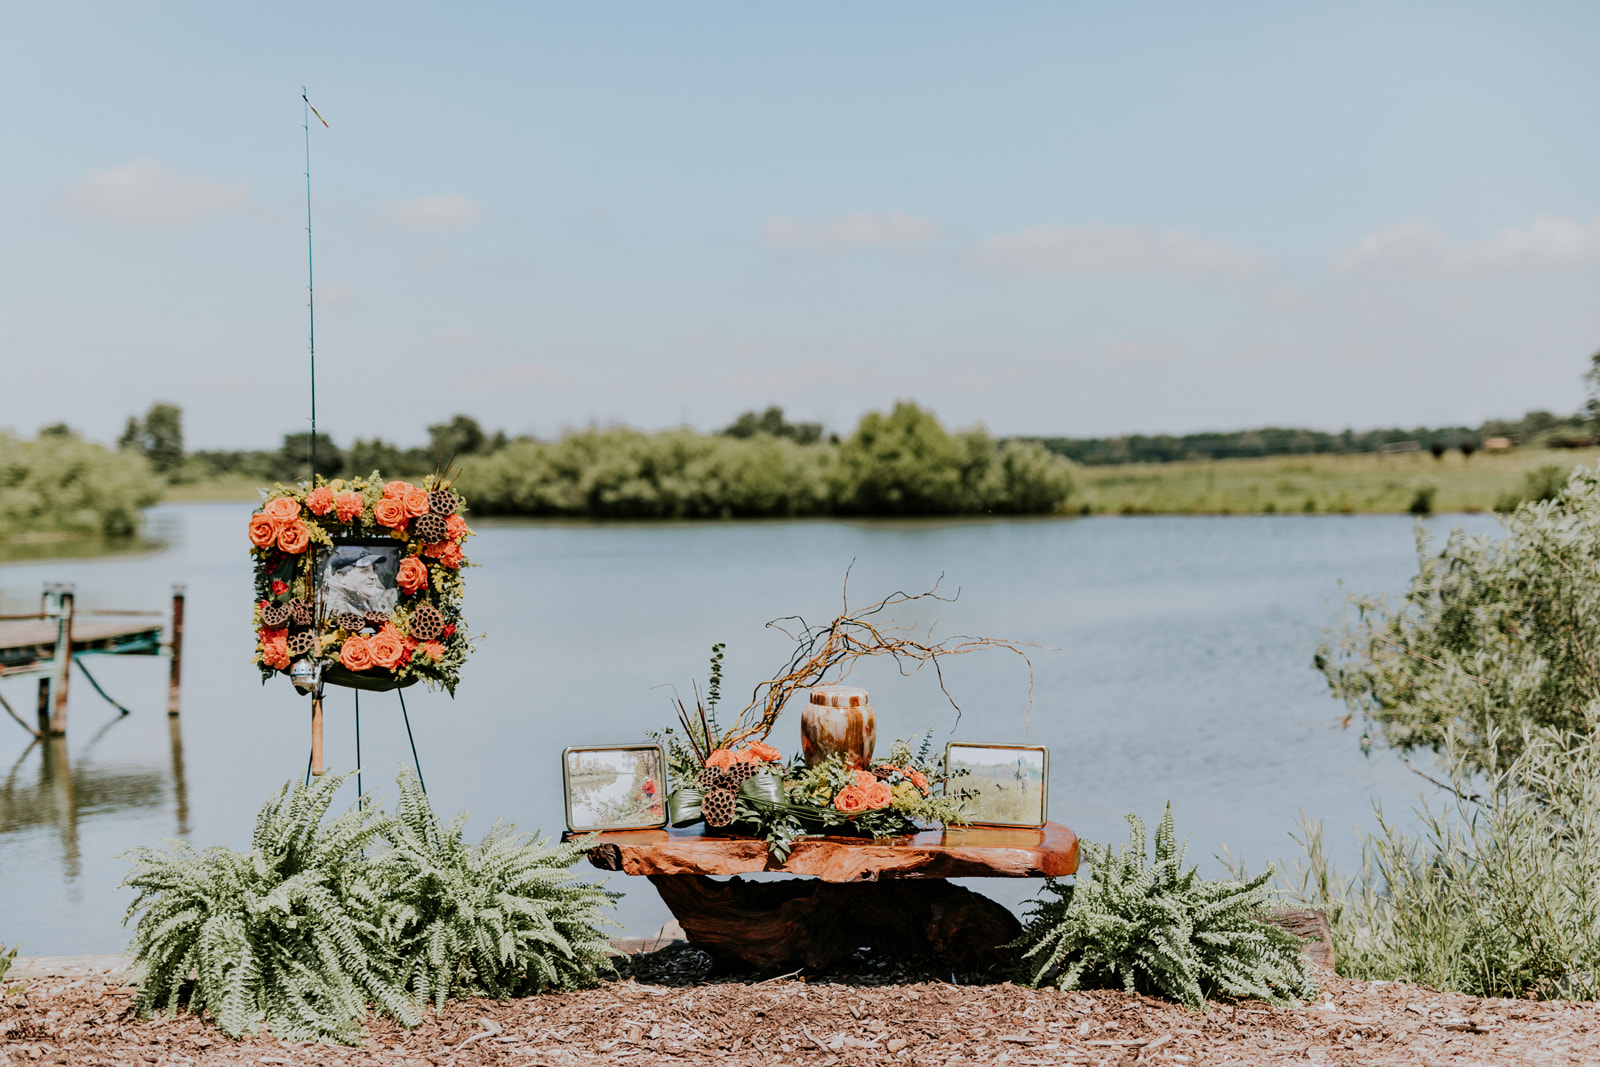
290 933
1156 928
500 918
6 960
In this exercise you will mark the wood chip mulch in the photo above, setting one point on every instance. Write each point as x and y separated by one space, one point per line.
670 1009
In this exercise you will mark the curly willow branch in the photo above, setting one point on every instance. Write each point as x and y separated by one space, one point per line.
832 650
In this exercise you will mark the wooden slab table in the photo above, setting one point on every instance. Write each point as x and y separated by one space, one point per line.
889 893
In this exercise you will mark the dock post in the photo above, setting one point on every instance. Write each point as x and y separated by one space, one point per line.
61 666
316 734
44 707
175 678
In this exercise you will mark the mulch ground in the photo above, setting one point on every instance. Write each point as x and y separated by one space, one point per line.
669 1008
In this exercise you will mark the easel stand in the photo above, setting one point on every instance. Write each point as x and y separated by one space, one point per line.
314 765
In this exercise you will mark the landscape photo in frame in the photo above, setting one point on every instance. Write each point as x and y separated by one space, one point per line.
1008 785
614 787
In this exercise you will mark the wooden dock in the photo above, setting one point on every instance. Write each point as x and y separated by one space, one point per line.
48 642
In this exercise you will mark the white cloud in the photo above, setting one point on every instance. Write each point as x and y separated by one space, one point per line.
144 192
1102 251
1419 250
860 229
437 214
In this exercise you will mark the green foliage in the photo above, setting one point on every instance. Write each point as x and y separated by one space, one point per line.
501 918
903 463
772 423
6 959
290 933
62 484
292 462
1538 485
159 436
1159 929
317 921
1422 501
1498 893
1494 635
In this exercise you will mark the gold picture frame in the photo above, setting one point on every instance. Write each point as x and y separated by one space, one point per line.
1011 785
614 787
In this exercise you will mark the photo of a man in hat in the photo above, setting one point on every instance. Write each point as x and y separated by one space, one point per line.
360 578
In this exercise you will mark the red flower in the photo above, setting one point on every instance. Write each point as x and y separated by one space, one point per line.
279 588
449 630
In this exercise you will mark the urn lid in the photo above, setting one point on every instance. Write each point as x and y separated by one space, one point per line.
839 696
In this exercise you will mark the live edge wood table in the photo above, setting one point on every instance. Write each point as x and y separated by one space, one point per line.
889 893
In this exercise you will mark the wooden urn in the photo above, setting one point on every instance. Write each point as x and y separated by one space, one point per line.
837 720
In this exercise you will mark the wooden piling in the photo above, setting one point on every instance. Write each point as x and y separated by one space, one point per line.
61 669
175 675
44 707
316 734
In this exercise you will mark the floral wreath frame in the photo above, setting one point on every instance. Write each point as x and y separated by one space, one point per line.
424 639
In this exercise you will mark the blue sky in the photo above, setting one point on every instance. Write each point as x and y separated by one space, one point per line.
1052 218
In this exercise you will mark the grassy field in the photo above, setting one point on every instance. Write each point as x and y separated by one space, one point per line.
1353 483
1361 482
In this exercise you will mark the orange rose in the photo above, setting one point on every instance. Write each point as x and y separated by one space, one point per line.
920 782
744 755
387 649
765 752
434 650
356 653
878 796
282 509
864 779
455 526
294 538
721 758
850 799
320 500
416 502
396 490
263 531
413 575
350 506
389 512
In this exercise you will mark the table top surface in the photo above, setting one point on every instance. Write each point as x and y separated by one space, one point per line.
955 852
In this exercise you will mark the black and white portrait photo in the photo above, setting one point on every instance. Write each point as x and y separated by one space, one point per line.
360 578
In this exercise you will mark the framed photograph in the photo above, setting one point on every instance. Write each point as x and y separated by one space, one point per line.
1007 784
615 787
358 575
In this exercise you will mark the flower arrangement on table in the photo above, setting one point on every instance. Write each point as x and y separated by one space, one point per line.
411 629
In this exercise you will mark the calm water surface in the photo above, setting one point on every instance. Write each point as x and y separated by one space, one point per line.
1174 663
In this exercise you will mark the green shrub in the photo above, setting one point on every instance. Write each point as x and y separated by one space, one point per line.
1538 485
1494 635
1161 930
1499 893
6 960
306 930
501 918
62 484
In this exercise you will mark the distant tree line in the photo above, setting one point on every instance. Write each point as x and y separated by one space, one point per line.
1535 429
60 484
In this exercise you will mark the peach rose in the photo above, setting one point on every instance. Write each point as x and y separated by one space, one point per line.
851 799
722 757
413 575
294 538
878 796
282 509
390 512
455 526
320 500
356 654
434 650
416 502
263 531
387 648
349 505
396 490
765 752
864 779
918 780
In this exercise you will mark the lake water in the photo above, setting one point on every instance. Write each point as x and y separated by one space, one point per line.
1173 662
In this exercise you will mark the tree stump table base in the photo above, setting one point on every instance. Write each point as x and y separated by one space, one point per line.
884 894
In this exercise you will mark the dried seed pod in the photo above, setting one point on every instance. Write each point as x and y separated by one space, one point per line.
429 528
443 502
376 619
427 622
717 807
300 611
710 777
302 642
740 773
275 615
350 620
